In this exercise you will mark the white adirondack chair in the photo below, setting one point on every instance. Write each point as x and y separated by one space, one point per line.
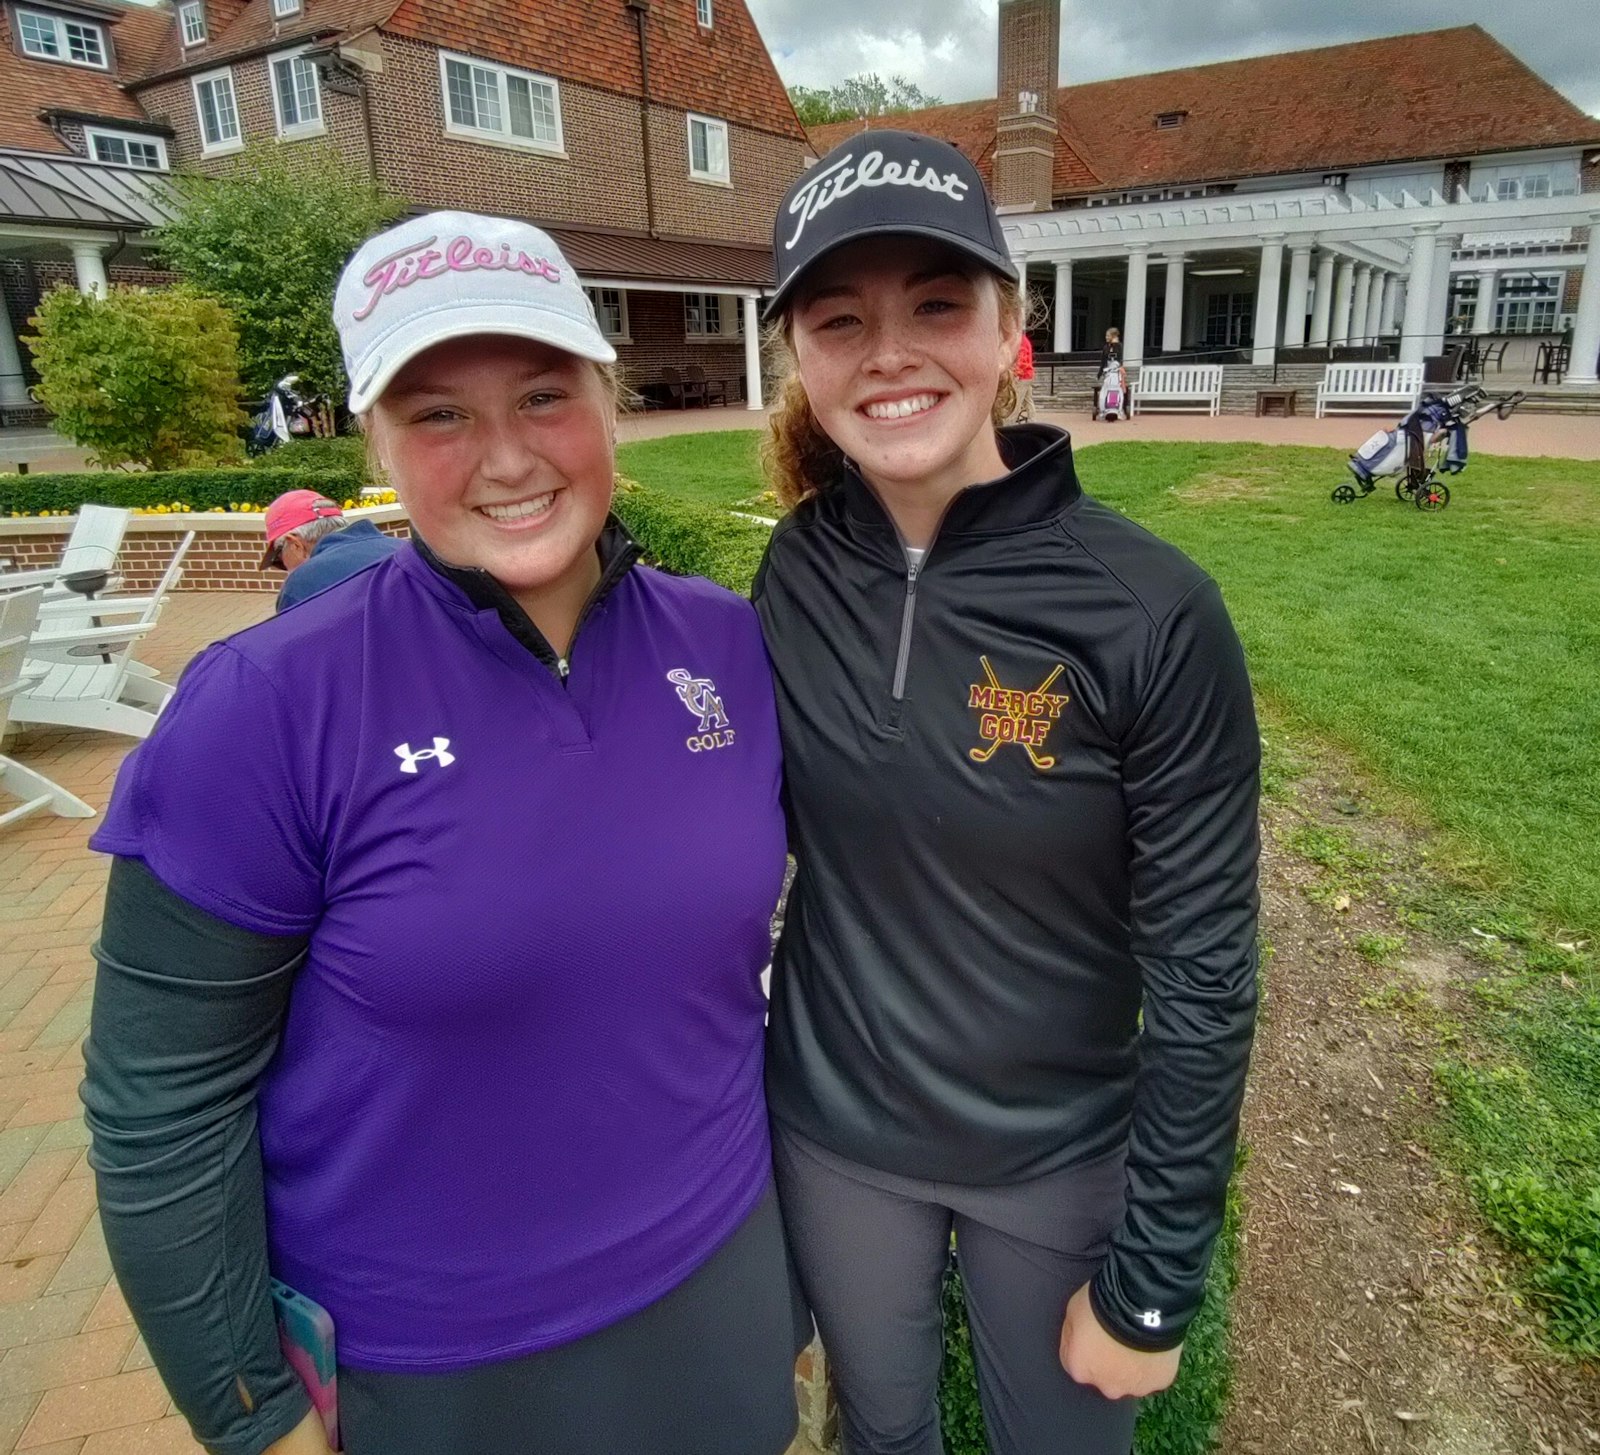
92 547
87 678
18 611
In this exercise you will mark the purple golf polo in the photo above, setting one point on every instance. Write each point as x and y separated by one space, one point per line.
518 1095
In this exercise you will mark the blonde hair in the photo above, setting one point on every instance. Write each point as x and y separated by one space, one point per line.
799 458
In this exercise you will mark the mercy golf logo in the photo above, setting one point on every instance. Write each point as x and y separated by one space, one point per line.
1010 716
699 695
439 752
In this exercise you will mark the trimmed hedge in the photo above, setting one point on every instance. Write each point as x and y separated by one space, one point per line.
343 452
693 540
198 489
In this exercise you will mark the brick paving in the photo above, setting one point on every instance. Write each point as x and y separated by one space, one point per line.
75 1378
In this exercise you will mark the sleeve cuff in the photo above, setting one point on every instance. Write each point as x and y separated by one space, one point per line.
1167 1333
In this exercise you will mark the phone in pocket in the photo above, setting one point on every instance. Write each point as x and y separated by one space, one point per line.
305 1330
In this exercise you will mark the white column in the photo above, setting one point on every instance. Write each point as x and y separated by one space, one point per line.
1172 317
1341 302
13 382
1375 305
1062 343
1483 313
1586 323
752 354
1391 303
1268 288
1322 304
1133 316
1358 303
90 262
1294 317
1439 297
1419 288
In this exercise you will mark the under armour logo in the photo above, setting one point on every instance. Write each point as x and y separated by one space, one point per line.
439 752
1151 1318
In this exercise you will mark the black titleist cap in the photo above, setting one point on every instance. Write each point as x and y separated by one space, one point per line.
885 182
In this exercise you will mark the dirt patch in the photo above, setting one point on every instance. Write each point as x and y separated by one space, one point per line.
1372 1314
1215 487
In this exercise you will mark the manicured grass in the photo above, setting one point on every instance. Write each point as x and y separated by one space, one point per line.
718 468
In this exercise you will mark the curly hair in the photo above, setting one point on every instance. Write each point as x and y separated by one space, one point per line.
798 457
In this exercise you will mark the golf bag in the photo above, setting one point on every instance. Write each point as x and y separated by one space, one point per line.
285 414
1111 393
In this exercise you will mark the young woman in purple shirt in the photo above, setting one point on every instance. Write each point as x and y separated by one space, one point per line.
430 974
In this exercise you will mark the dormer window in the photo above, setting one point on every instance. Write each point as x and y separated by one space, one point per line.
283 9
55 38
192 22
1168 120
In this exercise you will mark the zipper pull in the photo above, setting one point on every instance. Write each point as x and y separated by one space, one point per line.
563 668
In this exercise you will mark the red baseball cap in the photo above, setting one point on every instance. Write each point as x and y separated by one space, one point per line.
290 511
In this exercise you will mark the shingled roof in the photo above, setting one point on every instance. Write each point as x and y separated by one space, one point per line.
28 87
724 71
1441 93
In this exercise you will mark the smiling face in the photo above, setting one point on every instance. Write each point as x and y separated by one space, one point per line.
900 344
501 451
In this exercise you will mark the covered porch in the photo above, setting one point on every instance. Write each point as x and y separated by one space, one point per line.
684 316
1310 275
65 220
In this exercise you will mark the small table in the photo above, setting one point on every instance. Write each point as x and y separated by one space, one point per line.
1276 402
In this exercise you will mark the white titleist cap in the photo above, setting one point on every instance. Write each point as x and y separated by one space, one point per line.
448 275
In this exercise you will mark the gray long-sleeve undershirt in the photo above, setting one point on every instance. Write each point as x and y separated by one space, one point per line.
187 1014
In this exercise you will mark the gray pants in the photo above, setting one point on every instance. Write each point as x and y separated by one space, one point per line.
871 1249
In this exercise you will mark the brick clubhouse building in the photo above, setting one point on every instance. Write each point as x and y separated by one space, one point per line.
652 139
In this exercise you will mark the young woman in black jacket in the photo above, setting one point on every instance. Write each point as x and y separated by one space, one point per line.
1015 992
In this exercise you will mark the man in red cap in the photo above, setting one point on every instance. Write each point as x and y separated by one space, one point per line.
309 538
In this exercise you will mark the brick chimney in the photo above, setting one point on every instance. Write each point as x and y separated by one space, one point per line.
1025 147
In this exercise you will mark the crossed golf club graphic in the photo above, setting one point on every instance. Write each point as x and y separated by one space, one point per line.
1040 761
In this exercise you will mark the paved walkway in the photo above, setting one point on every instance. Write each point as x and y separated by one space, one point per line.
1566 436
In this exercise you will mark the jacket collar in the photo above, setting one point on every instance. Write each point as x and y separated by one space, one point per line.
1040 486
618 553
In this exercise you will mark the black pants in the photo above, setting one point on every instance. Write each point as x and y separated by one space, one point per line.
871 1250
706 1370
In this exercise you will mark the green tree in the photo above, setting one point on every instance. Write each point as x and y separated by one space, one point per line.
144 376
858 97
269 239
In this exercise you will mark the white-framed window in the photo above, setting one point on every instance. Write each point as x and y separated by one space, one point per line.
500 104
127 149
702 11
702 315
1513 181
214 104
55 38
296 95
282 9
708 150
1528 302
611 312
192 22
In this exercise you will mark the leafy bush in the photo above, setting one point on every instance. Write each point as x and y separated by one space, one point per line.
199 489
345 453
144 376
269 239
693 540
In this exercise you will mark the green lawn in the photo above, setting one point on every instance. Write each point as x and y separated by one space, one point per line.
720 468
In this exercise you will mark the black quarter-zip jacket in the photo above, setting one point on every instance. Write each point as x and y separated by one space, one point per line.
1023 784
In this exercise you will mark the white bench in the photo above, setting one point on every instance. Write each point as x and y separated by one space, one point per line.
1178 386
1369 388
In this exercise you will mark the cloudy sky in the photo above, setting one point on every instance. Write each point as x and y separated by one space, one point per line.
947 46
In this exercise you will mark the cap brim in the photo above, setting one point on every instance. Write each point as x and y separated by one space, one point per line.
510 320
995 262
